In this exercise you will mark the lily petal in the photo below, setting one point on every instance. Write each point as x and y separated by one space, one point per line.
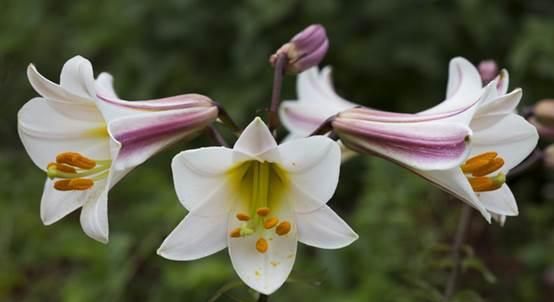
104 85
255 139
94 214
501 201
200 177
55 204
323 228
416 145
512 137
455 182
264 272
195 237
45 132
77 77
464 85
143 135
303 119
53 91
313 166
495 109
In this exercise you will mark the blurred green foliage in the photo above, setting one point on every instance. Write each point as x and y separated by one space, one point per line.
388 54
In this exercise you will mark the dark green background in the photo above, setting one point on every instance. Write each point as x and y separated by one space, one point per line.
387 54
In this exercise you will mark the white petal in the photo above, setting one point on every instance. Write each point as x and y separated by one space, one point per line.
302 119
195 237
45 133
323 228
455 182
255 139
266 272
464 87
104 85
55 204
512 137
313 166
94 215
77 77
199 176
501 219
53 91
501 201
496 109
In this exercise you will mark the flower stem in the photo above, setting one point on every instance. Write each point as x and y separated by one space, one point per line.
226 120
463 224
278 74
263 298
216 136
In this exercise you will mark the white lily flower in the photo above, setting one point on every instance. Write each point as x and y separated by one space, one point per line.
495 138
501 140
258 199
86 145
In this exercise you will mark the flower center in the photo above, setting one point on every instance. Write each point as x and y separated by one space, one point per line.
478 169
260 187
76 172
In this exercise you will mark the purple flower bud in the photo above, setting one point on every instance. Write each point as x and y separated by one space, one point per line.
488 70
306 49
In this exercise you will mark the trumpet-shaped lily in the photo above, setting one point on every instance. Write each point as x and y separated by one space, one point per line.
86 145
465 145
258 200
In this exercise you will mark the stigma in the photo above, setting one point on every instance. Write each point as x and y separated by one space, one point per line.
76 172
478 170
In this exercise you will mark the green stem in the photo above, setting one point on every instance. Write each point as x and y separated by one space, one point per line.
263 298
278 74
463 225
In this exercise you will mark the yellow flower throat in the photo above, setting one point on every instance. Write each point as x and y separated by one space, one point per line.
260 188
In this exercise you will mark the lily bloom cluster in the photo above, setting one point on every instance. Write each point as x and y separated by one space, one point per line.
259 198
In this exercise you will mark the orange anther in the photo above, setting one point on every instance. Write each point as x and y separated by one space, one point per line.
483 156
75 159
243 217
270 222
263 211
262 245
283 228
485 184
474 165
77 184
62 168
235 233
62 185
492 166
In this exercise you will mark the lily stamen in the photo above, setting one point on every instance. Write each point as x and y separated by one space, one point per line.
77 184
77 172
482 165
486 184
283 228
261 245
76 159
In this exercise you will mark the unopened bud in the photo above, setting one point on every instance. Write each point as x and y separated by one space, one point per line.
304 50
488 70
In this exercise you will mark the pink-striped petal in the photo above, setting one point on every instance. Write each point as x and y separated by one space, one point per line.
142 135
425 145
